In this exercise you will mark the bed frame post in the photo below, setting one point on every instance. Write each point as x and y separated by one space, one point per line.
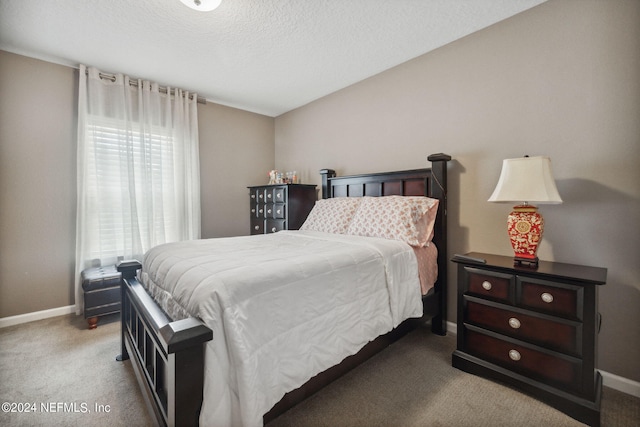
128 270
326 188
438 189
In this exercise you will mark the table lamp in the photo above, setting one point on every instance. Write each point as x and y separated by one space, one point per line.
526 180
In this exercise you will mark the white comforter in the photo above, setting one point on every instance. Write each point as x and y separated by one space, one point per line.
283 307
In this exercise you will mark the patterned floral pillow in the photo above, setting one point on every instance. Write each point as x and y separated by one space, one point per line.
332 215
406 218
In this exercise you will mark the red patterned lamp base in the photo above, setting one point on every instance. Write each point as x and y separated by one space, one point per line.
525 226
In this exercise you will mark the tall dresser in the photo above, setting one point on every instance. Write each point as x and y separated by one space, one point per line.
535 329
280 207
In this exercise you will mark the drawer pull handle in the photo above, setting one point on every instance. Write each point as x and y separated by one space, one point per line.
257 227
274 229
268 196
278 211
514 323
253 196
487 285
260 211
546 297
253 211
269 211
514 355
279 196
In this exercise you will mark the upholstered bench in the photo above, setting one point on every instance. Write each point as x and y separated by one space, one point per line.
101 286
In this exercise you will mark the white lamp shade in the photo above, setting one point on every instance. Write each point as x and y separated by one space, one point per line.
202 5
526 179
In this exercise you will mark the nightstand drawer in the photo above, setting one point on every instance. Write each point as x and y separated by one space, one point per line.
490 284
551 334
541 366
550 297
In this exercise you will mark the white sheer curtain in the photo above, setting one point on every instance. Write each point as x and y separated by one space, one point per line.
138 169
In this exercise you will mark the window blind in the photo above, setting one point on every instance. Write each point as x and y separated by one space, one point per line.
131 188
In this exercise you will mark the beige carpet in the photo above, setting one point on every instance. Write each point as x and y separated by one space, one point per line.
72 371
59 361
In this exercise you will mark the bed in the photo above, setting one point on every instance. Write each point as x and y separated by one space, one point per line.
182 348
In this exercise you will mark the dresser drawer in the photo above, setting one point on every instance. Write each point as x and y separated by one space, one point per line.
257 211
563 372
257 195
275 225
550 297
554 335
490 284
275 194
275 210
257 226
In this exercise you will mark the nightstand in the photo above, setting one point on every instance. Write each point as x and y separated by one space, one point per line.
533 329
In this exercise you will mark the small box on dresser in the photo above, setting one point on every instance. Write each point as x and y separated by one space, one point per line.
280 206
534 329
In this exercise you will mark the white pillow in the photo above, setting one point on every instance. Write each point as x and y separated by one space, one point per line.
406 218
332 215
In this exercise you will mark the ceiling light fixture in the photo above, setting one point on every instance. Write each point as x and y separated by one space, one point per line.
202 5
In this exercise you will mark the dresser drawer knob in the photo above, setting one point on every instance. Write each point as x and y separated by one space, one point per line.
274 229
487 285
253 211
268 196
269 211
278 211
514 355
514 323
546 297
257 227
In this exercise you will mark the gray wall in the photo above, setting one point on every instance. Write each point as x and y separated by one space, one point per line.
236 150
561 79
38 110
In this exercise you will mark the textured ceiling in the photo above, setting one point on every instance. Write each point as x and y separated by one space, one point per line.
265 56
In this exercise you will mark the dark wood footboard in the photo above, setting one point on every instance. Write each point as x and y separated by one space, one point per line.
167 356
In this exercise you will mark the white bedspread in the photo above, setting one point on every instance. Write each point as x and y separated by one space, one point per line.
283 307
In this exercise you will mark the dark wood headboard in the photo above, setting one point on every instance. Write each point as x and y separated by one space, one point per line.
430 182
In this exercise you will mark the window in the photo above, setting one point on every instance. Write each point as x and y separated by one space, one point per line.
116 155
138 169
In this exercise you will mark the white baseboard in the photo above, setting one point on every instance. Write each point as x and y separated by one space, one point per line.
615 382
622 384
452 328
37 315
